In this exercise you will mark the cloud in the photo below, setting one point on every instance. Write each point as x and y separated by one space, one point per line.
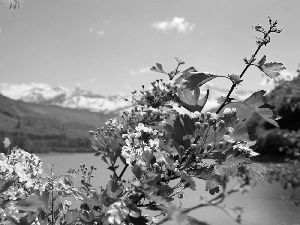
177 23
143 70
92 80
100 32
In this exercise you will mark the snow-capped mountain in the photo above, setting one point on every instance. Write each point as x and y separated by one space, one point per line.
64 97
83 99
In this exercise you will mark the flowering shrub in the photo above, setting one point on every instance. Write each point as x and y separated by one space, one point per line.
166 141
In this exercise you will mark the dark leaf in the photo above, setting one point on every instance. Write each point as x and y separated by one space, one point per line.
212 184
181 126
71 216
5 185
240 134
137 171
158 68
113 189
138 221
258 102
30 204
270 69
23 221
190 100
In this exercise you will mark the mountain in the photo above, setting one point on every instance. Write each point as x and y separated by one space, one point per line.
83 99
44 128
64 97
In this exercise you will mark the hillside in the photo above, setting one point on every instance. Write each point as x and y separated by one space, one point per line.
286 99
41 128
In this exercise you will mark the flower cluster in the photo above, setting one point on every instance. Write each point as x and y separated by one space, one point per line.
140 145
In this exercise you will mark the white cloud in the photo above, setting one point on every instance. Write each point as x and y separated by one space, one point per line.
143 70
92 80
177 23
100 32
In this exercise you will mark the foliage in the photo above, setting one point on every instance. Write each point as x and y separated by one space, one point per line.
166 142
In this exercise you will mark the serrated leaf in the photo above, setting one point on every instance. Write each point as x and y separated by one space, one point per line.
262 61
181 126
158 68
212 184
5 185
270 69
258 102
240 134
193 80
71 216
30 204
185 74
137 171
191 101
113 189
69 179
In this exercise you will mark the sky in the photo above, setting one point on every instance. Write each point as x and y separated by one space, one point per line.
108 46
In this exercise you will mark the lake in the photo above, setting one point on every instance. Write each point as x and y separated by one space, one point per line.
262 205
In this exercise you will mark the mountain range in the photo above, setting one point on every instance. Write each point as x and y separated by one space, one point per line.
78 98
41 118
60 96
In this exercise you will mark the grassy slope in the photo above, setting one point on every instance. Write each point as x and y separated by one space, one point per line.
43 128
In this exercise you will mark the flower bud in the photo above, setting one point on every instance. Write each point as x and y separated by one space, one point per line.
221 144
167 177
208 147
198 125
193 146
132 136
210 120
205 125
208 115
229 130
202 115
221 123
215 126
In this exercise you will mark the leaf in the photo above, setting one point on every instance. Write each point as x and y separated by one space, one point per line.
185 74
270 69
69 179
5 185
30 204
258 102
113 189
212 184
181 126
192 79
191 101
71 216
23 221
158 68
240 134
137 171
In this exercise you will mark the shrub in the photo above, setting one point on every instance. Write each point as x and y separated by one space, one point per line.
166 142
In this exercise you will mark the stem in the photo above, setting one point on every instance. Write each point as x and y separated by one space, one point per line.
243 72
123 171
